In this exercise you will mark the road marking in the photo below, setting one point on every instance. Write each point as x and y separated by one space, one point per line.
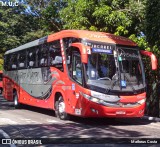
6 136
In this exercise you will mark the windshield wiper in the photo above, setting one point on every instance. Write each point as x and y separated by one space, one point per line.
112 86
114 83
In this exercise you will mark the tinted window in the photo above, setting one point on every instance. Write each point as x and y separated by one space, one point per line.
43 55
32 57
55 56
22 60
13 62
6 62
69 40
0 76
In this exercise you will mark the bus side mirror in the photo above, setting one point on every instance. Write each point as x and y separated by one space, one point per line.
86 51
84 58
83 50
154 61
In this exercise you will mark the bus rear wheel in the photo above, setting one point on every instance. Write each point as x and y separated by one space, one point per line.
15 99
60 109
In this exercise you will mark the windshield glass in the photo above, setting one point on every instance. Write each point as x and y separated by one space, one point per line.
121 70
130 66
100 67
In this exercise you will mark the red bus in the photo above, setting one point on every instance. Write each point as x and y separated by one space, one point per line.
78 72
1 82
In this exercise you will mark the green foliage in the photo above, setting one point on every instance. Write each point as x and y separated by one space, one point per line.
141 41
51 18
120 17
15 26
153 22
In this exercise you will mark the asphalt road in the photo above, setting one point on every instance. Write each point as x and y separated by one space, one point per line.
30 122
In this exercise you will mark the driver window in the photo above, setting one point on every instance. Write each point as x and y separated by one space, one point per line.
77 68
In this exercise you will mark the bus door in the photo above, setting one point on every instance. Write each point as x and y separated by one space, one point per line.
76 74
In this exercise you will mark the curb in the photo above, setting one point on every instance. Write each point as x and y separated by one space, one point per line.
150 118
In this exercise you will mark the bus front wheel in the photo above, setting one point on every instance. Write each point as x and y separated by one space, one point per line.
16 102
60 109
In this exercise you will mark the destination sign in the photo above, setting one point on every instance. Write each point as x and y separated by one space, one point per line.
102 51
101 48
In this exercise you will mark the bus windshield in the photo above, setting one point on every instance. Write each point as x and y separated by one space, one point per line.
120 71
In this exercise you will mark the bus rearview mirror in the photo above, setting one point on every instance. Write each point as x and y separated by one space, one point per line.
83 50
152 57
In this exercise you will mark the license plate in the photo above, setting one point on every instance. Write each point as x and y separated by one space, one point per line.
120 112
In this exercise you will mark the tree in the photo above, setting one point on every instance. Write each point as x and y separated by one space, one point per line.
16 28
51 18
153 22
152 31
48 13
115 16
9 30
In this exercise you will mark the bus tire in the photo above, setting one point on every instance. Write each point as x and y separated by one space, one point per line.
60 109
16 102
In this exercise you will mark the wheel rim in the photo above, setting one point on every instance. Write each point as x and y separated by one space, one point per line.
15 101
61 107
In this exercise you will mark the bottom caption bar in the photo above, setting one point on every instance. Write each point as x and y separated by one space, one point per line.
40 141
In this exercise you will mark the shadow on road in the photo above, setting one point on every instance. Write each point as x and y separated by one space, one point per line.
76 131
98 122
5 105
69 130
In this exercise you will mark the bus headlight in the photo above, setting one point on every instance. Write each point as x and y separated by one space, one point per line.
141 101
86 96
93 99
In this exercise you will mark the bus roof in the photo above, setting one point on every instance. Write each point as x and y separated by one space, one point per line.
91 35
84 34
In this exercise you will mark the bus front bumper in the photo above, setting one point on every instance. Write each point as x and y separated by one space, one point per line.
97 110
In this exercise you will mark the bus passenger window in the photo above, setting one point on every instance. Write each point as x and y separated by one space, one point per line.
31 58
7 62
13 61
22 60
44 56
1 77
69 40
55 57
